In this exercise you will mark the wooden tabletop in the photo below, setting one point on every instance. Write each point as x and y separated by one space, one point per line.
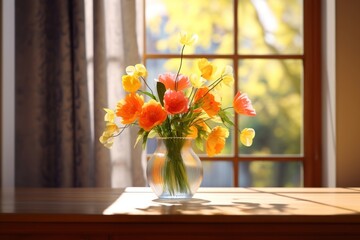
213 213
275 202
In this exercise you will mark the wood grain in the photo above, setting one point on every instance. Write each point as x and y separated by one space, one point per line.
213 213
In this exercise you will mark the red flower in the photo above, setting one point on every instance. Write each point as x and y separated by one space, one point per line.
175 102
168 79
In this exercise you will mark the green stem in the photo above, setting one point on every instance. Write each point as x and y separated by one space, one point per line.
175 176
181 59
147 85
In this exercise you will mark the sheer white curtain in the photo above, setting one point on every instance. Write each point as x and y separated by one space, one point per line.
113 38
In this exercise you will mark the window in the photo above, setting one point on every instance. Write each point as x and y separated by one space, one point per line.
274 48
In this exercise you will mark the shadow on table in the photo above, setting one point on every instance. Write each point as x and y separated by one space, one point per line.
201 206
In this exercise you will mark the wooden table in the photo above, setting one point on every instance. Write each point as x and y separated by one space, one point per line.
213 213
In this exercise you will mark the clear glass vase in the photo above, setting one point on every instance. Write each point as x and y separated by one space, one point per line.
174 171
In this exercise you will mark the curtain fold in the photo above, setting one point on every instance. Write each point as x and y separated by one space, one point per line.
122 50
132 57
102 155
53 137
60 93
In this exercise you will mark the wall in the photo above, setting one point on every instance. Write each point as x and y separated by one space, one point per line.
347 93
1 64
8 94
328 93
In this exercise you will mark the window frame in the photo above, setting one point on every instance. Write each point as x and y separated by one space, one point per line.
312 107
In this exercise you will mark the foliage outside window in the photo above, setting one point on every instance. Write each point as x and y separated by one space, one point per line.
264 42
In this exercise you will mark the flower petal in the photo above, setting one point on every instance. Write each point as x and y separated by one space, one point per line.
131 83
130 108
188 39
227 76
175 102
140 70
216 140
110 115
242 105
197 81
130 70
246 136
152 114
206 68
168 79
208 101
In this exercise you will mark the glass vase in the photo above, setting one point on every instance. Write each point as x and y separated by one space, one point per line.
174 171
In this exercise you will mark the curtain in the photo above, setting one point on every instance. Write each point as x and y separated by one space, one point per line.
64 78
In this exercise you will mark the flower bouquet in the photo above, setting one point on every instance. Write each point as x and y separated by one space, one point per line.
182 107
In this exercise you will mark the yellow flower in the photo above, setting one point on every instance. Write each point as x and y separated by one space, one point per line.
246 136
216 141
131 83
107 138
139 70
206 68
111 128
227 75
188 39
197 81
109 116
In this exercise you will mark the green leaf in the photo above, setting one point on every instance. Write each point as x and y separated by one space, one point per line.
152 133
145 137
140 133
148 94
224 118
160 87
199 144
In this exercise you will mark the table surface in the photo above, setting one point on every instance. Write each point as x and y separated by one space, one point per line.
207 205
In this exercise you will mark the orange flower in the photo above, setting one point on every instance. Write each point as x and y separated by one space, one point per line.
208 102
242 105
131 83
129 108
175 102
152 114
168 79
216 141
193 132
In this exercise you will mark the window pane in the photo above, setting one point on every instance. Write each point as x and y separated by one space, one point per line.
217 174
270 26
275 88
159 66
212 20
270 174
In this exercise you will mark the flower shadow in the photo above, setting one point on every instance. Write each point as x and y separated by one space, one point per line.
202 206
